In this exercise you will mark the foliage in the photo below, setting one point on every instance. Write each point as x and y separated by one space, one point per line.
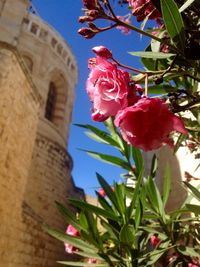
131 225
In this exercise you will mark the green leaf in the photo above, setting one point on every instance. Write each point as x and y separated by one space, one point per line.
98 211
155 198
154 166
138 159
98 135
108 158
195 191
161 89
148 62
74 241
88 254
193 208
173 22
138 214
154 55
84 264
69 216
119 193
166 184
109 193
186 5
136 194
188 251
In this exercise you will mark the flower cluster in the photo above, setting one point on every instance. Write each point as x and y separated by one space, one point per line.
70 249
144 8
143 121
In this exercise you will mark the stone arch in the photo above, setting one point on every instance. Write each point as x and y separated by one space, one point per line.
28 62
58 81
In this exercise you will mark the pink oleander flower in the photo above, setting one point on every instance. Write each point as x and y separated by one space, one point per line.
91 260
102 51
148 123
101 192
107 87
124 29
144 8
192 265
155 241
73 232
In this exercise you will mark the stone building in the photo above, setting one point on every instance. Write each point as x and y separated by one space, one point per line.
38 75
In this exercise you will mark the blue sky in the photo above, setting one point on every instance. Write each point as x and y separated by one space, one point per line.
63 16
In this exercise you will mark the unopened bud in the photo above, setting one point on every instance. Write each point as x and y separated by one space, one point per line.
90 4
82 19
154 240
102 51
93 26
87 33
158 80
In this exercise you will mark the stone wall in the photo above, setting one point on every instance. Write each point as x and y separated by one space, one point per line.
19 105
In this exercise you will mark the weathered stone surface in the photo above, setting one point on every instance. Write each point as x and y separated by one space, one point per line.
35 168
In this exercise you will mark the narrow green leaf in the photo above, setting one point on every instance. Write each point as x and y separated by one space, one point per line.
161 89
154 55
155 198
193 208
74 241
186 5
88 254
69 216
108 158
138 159
138 214
98 135
119 193
84 264
173 22
154 166
136 194
195 191
109 192
98 211
188 251
166 184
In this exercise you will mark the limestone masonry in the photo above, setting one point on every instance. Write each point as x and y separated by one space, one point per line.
38 75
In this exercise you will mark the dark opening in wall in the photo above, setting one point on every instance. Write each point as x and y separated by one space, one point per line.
51 102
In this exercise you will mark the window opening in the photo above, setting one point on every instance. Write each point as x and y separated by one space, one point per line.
51 101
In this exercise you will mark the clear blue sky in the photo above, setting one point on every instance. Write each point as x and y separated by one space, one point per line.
63 16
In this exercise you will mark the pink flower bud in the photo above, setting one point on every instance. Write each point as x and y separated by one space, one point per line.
154 240
101 192
87 33
73 232
102 51
90 4
91 260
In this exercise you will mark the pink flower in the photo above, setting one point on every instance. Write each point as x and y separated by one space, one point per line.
73 232
91 260
101 192
107 87
192 265
143 8
124 29
102 51
148 123
154 240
